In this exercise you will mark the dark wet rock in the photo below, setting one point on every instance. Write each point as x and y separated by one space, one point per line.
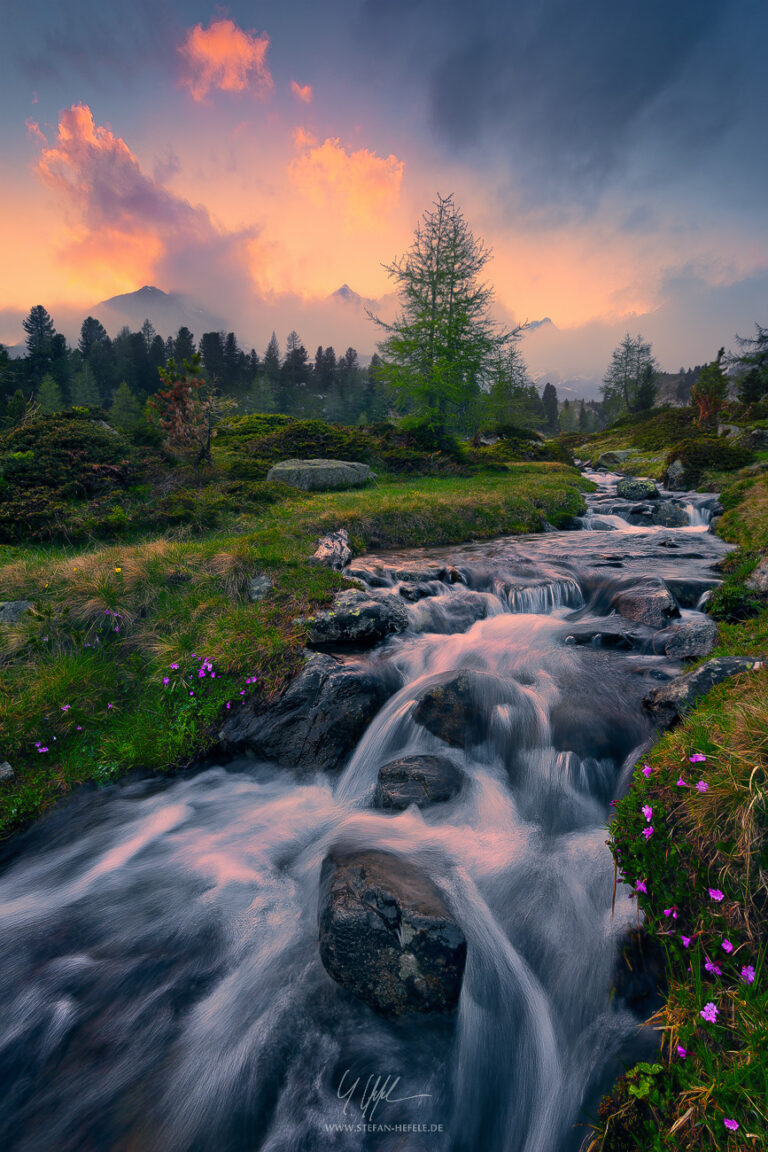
609 634
11 611
688 590
668 544
639 978
317 721
311 475
689 638
675 477
649 602
668 702
420 780
333 550
258 587
757 581
374 577
386 934
636 488
667 514
6 772
359 619
414 592
448 710
639 514
460 707
758 438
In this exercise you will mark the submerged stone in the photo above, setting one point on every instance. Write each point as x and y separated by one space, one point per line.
386 934
420 780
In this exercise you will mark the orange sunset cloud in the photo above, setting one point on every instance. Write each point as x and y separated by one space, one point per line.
302 92
223 56
367 185
121 218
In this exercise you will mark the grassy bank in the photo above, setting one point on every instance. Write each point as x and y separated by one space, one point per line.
135 650
701 880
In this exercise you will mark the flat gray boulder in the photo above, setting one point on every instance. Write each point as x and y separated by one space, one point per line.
311 475
636 488
647 602
668 702
316 722
386 934
420 780
6 772
11 611
358 618
690 638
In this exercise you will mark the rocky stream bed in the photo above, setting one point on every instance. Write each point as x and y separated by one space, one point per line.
399 871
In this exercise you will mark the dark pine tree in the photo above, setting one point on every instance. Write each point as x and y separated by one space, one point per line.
549 401
40 331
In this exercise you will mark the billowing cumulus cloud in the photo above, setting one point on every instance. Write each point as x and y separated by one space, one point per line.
302 92
120 217
367 185
223 56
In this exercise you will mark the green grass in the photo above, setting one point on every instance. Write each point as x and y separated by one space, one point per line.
716 839
83 673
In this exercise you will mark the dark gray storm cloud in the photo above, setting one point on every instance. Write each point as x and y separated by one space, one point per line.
569 93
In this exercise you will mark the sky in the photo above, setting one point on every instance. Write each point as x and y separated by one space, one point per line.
256 157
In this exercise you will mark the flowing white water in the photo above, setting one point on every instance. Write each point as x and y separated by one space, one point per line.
158 941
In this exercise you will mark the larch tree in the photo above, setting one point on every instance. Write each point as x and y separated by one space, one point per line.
439 351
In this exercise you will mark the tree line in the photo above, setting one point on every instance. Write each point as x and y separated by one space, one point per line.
443 358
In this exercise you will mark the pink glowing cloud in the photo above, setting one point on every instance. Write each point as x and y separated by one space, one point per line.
223 56
119 215
302 92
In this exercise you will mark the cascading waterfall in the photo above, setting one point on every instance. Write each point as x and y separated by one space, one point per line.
159 938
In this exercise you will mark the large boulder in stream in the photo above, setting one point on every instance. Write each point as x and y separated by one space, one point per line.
420 780
647 602
467 708
667 514
386 934
636 488
317 721
358 618
668 702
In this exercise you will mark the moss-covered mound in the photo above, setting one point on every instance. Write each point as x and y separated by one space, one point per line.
708 454
60 474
